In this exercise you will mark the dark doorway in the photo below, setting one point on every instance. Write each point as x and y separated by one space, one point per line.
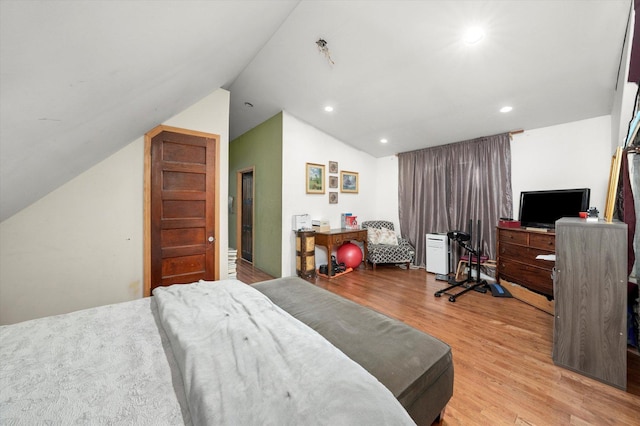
246 234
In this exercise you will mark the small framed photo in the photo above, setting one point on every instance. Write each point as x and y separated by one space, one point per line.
349 182
333 181
333 198
315 178
333 167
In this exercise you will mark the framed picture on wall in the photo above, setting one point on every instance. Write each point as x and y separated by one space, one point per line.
333 181
333 167
333 198
315 178
349 181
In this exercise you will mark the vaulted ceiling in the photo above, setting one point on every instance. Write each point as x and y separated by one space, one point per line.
81 79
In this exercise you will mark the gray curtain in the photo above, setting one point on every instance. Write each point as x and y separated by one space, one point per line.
442 188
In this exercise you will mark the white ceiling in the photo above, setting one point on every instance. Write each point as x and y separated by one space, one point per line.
80 80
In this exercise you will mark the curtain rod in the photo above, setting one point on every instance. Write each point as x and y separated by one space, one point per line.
511 133
515 132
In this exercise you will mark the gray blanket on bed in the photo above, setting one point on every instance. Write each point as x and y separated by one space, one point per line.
244 361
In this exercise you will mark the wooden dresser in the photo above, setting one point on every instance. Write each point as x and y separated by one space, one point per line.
517 250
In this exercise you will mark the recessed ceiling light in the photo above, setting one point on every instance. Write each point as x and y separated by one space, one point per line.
506 109
383 140
328 108
473 35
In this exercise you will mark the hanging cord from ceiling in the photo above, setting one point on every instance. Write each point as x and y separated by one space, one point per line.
324 49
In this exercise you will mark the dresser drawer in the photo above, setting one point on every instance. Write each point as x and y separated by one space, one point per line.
543 241
348 236
523 254
515 237
341 239
537 279
517 251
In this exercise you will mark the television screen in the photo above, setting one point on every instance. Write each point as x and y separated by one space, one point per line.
541 209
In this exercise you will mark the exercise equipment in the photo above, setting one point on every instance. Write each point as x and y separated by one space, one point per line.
463 239
349 254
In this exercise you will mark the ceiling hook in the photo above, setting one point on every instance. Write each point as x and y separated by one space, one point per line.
322 47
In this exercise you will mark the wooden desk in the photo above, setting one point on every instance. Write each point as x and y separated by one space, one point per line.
337 237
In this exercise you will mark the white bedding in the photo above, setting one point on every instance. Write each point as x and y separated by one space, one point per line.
239 360
104 365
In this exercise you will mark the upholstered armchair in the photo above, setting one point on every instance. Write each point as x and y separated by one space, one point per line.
384 246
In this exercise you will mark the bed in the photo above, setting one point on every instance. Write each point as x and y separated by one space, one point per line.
203 353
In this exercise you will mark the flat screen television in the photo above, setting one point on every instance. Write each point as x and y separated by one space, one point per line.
541 209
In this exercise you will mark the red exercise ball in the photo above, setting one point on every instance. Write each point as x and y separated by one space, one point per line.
349 254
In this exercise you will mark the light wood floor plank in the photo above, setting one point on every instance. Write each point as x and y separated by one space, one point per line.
501 347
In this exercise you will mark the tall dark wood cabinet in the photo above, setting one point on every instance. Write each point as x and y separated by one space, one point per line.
590 290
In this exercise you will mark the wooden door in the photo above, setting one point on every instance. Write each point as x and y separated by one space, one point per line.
247 216
182 201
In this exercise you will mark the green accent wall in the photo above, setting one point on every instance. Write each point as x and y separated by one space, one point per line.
260 148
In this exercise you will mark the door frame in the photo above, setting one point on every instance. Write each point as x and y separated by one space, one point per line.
240 205
147 199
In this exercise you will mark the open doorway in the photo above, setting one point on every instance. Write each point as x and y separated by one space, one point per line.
244 227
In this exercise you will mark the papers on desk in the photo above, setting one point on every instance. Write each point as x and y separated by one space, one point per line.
551 257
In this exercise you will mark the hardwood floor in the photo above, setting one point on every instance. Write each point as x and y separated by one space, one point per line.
501 351
247 273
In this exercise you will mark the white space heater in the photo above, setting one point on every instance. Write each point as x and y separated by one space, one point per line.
437 249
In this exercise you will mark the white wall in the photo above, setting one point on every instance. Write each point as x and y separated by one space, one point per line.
82 245
571 155
301 144
386 206
77 247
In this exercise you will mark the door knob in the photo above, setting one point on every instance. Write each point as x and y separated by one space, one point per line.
211 239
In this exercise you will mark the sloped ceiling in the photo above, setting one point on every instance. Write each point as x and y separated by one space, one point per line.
80 80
